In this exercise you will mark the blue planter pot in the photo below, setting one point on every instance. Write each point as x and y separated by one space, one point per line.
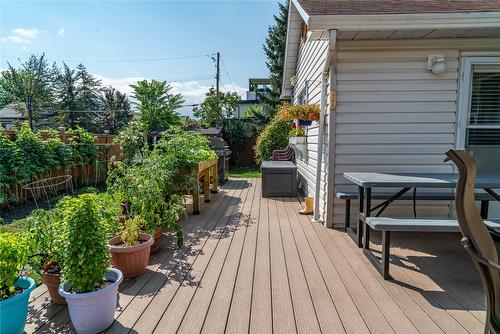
13 311
303 122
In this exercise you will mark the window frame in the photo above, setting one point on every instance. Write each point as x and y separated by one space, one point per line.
465 90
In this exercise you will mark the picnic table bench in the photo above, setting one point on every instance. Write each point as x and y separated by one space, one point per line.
387 225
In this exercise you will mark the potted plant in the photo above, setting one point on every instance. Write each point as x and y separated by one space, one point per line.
89 285
46 229
14 288
297 136
304 113
130 249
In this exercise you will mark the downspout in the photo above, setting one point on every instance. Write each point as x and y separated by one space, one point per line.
332 36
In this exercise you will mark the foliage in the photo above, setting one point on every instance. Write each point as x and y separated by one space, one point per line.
130 139
297 132
216 107
309 112
273 137
82 145
88 99
31 155
274 47
237 132
46 228
67 95
116 110
157 105
31 85
14 250
8 163
131 230
58 153
84 244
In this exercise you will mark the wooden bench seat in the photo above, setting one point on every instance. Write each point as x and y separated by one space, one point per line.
387 225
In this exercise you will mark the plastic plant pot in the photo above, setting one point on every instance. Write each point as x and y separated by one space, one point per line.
132 261
13 311
93 312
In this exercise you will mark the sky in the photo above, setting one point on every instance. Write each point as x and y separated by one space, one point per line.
121 42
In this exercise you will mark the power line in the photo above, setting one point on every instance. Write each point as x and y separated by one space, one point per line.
225 69
123 60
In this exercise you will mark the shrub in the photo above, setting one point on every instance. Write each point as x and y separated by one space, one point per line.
14 251
82 145
131 140
297 132
273 137
85 248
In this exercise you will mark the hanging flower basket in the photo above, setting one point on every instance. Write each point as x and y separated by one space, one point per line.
305 113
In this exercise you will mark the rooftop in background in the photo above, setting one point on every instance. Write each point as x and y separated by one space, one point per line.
368 7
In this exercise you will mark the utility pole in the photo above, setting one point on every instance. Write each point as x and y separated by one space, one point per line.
217 76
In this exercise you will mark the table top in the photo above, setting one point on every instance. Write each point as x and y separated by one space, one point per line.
278 165
418 180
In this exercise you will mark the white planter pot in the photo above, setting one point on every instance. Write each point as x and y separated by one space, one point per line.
93 312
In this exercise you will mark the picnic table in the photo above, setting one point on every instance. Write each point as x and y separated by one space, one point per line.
405 182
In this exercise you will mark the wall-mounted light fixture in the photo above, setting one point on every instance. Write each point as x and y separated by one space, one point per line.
437 63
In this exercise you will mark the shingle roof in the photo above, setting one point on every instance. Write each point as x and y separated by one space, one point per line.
367 7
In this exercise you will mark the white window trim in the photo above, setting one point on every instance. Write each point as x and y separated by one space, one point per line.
467 62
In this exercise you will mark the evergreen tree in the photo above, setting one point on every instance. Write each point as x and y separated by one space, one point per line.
66 88
89 89
115 108
274 47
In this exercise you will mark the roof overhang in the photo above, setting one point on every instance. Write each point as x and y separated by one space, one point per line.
382 26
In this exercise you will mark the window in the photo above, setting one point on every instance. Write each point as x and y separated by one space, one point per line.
480 114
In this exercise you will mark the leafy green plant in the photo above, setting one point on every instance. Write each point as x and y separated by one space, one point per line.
131 140
8 163
273 137
131 230
46 228
14 250
216 107
84 243
82 145
297 132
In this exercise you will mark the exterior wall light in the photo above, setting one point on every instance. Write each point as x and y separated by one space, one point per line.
437 64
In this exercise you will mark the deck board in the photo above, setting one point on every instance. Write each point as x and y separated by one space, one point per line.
254 265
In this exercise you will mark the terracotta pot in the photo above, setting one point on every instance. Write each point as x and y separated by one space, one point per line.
157 237
131 260
52 281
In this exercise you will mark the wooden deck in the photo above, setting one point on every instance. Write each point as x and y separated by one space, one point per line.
253 265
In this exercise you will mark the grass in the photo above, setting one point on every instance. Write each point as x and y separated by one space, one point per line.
244 172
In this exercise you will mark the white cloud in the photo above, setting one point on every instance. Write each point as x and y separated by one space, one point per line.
21 36
16 40
61 32
192 91
28 33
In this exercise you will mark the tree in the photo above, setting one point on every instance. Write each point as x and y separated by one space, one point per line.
31 85
157 105
66 88
89 89
115 108
274 47
216 107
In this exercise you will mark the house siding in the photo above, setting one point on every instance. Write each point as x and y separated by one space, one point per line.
393 115
310 65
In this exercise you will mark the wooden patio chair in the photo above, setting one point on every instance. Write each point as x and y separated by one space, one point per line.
477 238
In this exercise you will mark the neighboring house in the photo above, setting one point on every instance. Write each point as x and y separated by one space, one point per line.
254 96
399 82
10 114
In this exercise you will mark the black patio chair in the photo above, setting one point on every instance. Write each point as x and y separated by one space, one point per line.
477 238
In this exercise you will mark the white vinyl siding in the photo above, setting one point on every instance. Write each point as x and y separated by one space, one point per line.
393 115
310 64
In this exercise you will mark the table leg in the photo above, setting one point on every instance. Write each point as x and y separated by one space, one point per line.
484 209
359 230
215 179
206 184
367 212
196 201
